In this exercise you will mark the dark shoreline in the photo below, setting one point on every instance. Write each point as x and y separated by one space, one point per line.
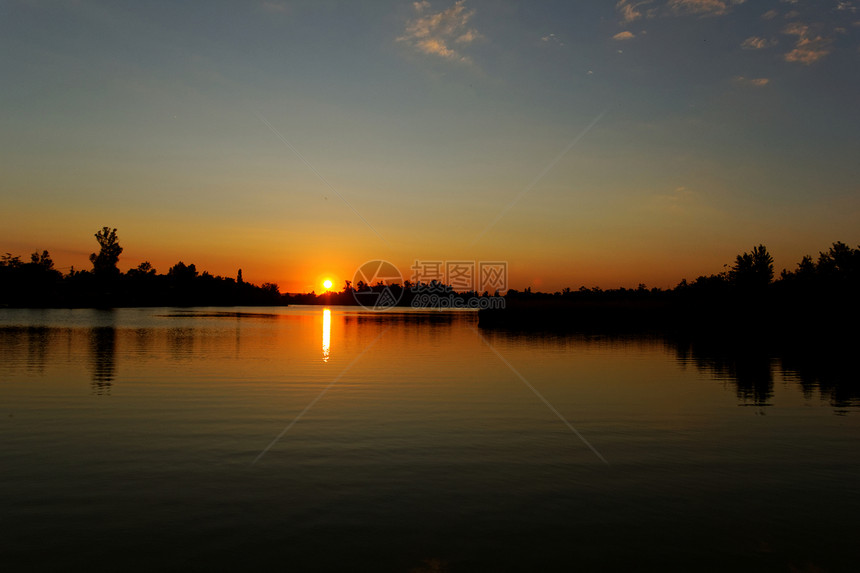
738 314
743 343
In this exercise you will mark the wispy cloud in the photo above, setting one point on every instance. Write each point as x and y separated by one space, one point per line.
811 42
702 7
442 33
552 39
809 47
754 82
630 11
757 43
796 29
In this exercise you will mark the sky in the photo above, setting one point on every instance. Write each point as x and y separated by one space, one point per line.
583 143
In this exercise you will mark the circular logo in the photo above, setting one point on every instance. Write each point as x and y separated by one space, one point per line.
377 285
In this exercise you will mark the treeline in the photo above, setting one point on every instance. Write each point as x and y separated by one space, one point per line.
835 271
36 283
370 295
820 293
834 275
818 287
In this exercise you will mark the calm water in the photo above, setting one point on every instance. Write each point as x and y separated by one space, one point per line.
129 439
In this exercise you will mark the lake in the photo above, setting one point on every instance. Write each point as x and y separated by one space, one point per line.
312 439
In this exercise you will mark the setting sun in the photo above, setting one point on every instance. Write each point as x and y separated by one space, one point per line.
327 284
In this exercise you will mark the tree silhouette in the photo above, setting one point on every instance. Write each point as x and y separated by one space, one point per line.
841 262
752 270
42 259
8 261
182 272
144 269
105 262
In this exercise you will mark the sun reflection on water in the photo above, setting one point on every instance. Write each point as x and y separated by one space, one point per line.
326 335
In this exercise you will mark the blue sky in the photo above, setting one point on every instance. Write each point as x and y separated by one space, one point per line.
722 124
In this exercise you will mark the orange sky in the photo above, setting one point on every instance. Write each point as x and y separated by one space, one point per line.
589 143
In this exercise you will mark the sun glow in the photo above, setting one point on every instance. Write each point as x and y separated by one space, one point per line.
327 284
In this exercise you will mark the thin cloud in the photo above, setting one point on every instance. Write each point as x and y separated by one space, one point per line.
808 48
630 11
810 43
468 36
551 39
756 43
443 33
754 82
702 7
796 29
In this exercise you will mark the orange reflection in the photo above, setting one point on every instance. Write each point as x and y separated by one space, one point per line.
326 339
